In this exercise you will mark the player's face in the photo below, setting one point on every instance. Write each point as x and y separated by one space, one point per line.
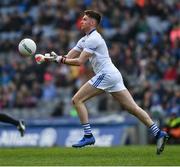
86 23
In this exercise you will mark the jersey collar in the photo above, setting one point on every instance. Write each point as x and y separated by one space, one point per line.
91 31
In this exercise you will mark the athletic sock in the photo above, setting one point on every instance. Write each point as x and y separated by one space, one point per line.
87 130
154 130
7 119
88 136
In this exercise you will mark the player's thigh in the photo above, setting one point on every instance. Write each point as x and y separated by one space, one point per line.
86 92
125 99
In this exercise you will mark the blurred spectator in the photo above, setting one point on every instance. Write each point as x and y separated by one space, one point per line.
49 89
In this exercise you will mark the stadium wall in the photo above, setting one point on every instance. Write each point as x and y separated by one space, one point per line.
64 135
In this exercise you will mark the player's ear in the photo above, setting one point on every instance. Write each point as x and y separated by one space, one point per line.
93 22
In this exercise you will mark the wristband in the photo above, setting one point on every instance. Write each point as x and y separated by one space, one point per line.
63 60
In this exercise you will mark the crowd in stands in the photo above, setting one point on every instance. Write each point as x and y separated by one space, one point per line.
143 37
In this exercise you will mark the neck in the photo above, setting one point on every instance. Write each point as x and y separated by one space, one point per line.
90 30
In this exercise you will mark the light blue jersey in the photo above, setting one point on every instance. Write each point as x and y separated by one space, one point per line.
100 60
107 76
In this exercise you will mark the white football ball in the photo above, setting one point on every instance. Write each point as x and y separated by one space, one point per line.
27 47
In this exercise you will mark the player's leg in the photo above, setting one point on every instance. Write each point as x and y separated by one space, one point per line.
126 101
19 124
86 92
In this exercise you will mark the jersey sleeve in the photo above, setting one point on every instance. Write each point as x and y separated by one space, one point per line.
78 46
91 45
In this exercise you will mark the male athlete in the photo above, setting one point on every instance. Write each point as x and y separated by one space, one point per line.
107 78
20 125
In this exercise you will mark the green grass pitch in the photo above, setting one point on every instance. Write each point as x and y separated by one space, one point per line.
90 156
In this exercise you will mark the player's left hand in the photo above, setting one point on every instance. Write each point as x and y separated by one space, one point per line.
48 57
57 58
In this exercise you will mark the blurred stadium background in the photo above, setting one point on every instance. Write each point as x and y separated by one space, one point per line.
143 37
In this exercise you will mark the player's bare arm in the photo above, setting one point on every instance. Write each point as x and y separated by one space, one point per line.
84 56
73 54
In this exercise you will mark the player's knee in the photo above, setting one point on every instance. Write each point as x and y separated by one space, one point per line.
75 101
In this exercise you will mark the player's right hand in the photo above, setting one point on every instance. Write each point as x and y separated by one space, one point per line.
39 58
47 57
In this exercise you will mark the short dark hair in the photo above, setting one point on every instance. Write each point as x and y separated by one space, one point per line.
93 14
